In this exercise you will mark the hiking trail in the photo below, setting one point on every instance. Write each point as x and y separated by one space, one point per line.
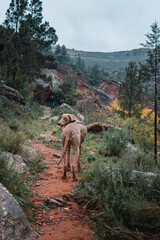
66 221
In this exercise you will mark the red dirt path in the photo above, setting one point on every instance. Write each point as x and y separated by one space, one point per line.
61 223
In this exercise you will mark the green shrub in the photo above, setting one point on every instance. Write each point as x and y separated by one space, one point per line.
65 93
120 208
115 141
139 160
11 141
91 157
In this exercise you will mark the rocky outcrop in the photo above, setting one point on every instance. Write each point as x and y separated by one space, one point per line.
11 93
16 162
104 97
43 89
111 88
13 222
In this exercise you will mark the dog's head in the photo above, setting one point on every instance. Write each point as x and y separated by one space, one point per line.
66 119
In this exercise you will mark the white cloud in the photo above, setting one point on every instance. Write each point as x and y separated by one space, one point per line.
99 25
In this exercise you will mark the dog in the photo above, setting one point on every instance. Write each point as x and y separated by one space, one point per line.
74 133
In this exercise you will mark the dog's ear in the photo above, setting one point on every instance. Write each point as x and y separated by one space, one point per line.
72 117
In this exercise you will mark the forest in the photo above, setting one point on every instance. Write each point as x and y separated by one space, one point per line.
117 195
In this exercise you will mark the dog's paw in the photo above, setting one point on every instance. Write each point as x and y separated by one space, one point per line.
75 179
68 168
64 177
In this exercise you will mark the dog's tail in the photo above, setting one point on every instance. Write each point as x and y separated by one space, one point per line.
64 149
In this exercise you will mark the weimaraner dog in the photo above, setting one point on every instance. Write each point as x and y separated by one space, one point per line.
74 133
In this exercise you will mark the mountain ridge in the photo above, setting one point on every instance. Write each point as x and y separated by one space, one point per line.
110 61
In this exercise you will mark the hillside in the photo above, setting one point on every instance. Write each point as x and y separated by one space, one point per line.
110 61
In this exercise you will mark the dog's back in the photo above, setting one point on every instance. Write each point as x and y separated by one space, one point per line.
74 132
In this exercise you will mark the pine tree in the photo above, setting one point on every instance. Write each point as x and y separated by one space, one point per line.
80 65
15 14
153 43
130 94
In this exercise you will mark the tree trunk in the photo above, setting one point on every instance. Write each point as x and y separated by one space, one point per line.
155 106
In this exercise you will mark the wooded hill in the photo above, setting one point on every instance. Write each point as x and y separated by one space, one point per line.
110 61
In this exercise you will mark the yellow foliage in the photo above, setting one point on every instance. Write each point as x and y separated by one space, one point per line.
142 129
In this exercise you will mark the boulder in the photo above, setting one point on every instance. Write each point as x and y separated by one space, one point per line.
29 151
11 93
49 138
97 127
53 119
13 222
90 104
16 162
103 96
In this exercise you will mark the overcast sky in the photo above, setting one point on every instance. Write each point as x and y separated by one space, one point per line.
98 25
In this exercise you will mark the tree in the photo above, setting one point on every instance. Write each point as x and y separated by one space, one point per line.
130 94
62 55
80 65
153 43
15 14
31 38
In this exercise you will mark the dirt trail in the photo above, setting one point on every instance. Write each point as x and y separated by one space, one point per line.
61 223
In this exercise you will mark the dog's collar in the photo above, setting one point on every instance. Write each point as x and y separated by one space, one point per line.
73 121
76 121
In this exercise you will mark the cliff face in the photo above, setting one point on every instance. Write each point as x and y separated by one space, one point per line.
111 88
102 95
91 98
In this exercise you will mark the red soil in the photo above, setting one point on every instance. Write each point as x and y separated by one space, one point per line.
61 223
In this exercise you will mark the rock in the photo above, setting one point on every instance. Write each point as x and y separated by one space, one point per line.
11 93
90 104
77 114
64 105
42 90
44 118
49 138
28 150
53 119
103 96
97 127
16 162
149 176
80 116
13 222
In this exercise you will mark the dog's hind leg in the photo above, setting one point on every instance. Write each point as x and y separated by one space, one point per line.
75 161
68 158
65 168
74 174
79 158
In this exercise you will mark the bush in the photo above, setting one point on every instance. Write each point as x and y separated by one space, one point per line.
119 208
65 92
139 160
114 142
16 184
11 141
